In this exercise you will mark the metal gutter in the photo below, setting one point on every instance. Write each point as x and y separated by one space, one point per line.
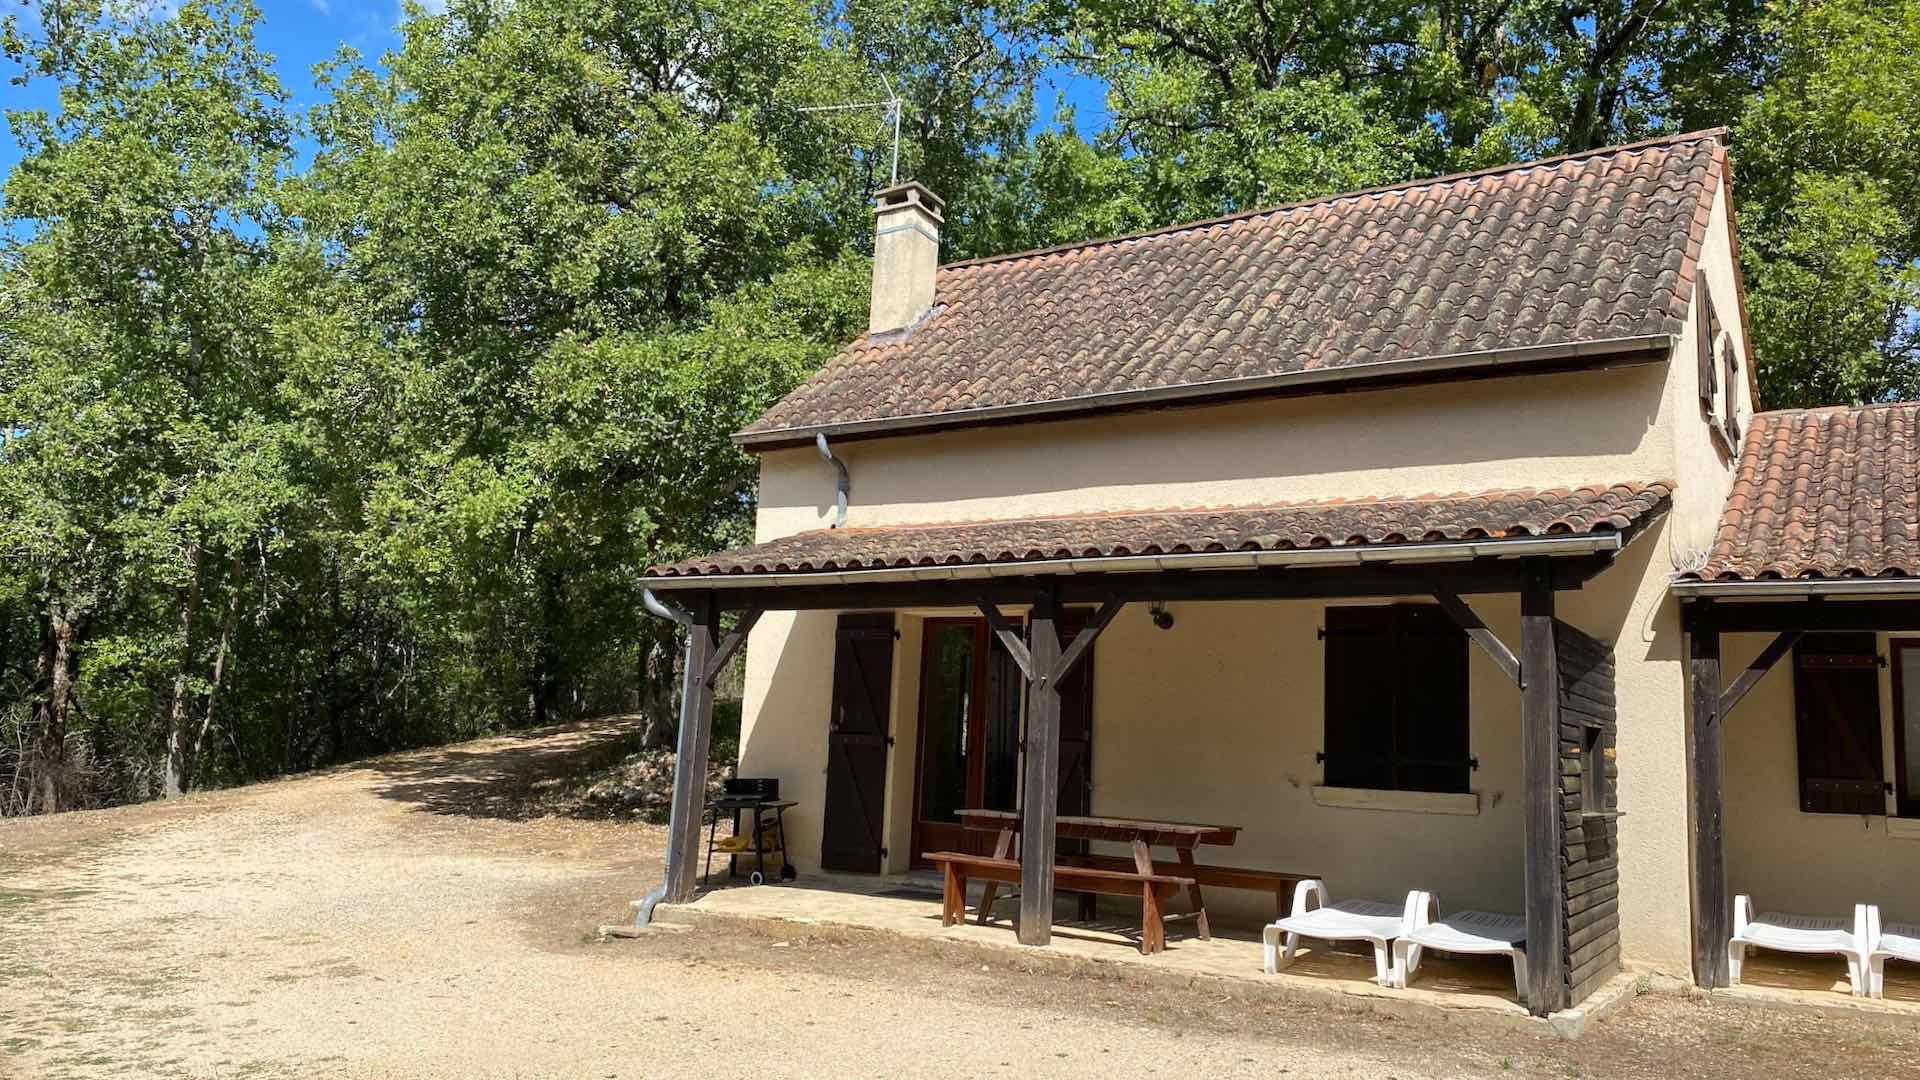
643 907
1385 369
1789 588
1346 555
843 484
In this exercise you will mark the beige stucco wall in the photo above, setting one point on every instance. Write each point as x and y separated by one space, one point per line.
784 716
1219 718
1546 431
1793 861
1702 468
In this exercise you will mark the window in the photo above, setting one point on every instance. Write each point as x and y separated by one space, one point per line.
1906 730
1596 787
1396 699
1836 691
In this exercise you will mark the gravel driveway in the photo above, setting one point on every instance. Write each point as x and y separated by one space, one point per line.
409 918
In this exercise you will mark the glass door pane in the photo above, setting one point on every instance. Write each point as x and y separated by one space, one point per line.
946 746
1002 744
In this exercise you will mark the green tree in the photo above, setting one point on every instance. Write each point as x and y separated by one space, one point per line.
149 457
1829 186
557 215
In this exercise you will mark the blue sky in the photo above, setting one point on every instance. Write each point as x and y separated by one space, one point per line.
299 34
302 33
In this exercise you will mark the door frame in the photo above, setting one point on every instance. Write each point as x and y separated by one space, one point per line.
976 724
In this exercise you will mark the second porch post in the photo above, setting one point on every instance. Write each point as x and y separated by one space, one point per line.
1540 770
1710 901
1040 803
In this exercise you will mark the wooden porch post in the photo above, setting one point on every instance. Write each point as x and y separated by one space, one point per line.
1540 754
1040 805
1710 912
690 758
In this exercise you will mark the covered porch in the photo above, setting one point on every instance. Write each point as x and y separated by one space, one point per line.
1805 701
1181 729
1803 631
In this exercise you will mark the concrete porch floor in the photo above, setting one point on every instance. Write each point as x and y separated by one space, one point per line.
1798 980
910 905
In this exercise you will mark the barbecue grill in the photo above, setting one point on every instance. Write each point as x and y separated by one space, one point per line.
757 795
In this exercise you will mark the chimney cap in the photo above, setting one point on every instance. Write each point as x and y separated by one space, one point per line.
909 193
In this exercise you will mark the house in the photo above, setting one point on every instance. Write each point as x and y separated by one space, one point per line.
1411 530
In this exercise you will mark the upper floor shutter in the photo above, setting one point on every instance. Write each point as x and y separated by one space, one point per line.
1704 335
1731 419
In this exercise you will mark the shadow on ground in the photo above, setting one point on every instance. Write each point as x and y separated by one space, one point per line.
544 772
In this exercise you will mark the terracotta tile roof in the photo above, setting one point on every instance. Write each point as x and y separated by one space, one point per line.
1588 248
1487 515
1823 493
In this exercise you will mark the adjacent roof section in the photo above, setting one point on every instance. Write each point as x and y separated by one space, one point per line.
1823 494
1591 253
1488 516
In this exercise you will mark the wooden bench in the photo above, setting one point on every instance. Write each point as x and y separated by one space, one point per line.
1150 888
1220 877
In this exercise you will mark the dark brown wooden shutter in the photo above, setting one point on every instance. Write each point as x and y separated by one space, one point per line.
1704 334
1359 697
1430 716
1836 687
1396 697
857 738
1731 420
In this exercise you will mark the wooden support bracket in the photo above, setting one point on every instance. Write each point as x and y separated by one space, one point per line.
1008 634
1749 678
730 645
1488 641
1084 639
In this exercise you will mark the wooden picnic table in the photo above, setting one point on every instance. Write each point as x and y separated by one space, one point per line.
1142 836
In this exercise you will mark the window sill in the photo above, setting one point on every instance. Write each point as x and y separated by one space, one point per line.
1460 804
1903 828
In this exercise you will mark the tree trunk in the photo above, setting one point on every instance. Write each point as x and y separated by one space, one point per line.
38 785
213 690
59 662
547 674
174 782
659 677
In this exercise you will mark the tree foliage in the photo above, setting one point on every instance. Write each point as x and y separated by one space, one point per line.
328 432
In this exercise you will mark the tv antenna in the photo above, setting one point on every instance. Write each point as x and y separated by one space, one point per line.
893 104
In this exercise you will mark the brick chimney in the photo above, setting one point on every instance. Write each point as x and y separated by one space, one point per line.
906 253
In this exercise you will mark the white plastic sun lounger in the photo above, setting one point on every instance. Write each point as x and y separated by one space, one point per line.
1477 933
1897 941
1315 916
1801 934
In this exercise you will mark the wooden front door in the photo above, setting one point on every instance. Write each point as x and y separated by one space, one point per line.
857 741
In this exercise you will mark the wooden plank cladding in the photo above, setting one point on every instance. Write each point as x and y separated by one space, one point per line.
1588 781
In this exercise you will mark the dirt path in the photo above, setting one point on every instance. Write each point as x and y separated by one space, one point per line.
405 918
